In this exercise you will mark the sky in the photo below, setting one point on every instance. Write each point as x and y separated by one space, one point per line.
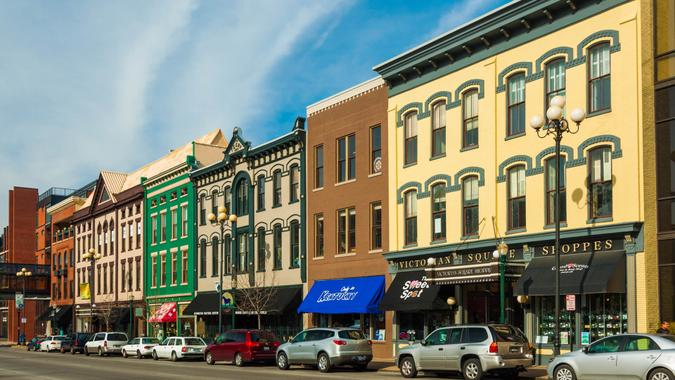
99 85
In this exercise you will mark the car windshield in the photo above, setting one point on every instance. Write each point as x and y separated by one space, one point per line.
263 336
150 341
351 334
194 342
507 333
117 337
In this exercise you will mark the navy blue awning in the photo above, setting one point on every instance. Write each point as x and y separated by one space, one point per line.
344 296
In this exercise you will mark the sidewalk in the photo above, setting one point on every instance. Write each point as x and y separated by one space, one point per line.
534 372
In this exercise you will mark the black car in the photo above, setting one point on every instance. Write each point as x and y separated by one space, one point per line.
34 344
75 343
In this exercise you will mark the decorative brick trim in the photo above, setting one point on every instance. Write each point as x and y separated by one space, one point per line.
527 66
512 160
405 187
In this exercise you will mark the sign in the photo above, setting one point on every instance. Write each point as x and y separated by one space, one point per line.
467 273
228 300
570 302
85 294
19 300
23 320
541 339
413 289
564 337
138 312
585 338
4 319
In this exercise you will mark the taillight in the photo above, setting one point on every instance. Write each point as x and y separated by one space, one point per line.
147 347
370 342
493 348
339 342
184 349
53 342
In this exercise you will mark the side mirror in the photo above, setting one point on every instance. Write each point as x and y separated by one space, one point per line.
424 342
585 349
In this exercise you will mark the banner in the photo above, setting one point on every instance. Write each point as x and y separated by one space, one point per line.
19 300
84 291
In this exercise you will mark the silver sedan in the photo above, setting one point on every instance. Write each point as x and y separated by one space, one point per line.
627 356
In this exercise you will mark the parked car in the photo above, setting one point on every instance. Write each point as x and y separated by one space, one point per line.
177 347
140 347
106 343
472 350
326 348
75 343
627 356
34 344
52 343
242 346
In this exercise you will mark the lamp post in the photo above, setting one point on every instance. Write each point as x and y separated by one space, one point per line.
221 219
557 126
92 256
23 273
500 253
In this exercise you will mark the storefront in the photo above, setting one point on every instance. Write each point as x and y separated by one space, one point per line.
163 320
58 319
348 302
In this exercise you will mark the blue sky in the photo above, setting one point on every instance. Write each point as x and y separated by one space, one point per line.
99 85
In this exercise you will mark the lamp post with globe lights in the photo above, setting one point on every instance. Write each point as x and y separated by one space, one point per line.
92 256
23 274
221 219
556 126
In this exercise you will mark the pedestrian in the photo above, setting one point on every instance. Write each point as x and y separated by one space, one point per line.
665 328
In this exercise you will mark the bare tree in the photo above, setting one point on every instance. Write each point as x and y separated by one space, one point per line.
106 312
257 298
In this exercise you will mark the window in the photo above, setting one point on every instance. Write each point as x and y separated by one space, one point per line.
202 209
607 345
243 252
376 226
276 184
438 212
295 183
601 182
470 206
470 119
227 253
242 197
346 165
516 104
261 249
129 279
555 80
375 149
640 343
318 235
599 79
105 279
162 227
516 203
124 238
227 199
214 257
174 224
154 271
438 129
214 202
174 268
124 276
260 188
202 258
184 216
131 235
184 266
346 230
550 190
439 337
410 137
295 244
154 229
318 166
277 246
410 217
138 274
162 270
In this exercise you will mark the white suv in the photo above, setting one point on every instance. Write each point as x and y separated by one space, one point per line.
105 343
52 343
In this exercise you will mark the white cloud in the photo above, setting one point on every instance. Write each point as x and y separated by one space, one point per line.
461 12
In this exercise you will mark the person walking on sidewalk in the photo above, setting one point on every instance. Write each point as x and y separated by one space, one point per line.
665 328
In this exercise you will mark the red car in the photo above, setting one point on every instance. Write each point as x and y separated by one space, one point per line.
242 346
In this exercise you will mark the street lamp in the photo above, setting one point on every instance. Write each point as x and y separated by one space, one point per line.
221 219
23 273
500 253
556 126
92 256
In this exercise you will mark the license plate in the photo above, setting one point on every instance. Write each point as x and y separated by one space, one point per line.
266 348
195 350
361 358
515 349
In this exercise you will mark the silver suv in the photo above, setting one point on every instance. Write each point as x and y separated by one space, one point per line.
326 348
105 343
472 350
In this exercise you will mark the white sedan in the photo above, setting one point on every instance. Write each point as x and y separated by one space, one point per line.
52 343
139 347
176 347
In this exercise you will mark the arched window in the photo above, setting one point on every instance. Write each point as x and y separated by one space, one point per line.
260 188
410 148
214 202
515 103
294 183
438 212
276 184
550 190
555 80
214 257
411 217
261 249
516 197
202 209
470 119
295 244
227 253
227 199
438 129
277 246
600 180
242 197
470 206
243 252
599 78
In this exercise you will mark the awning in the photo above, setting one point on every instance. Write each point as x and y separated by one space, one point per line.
410 291
584 273
344 296
165 313
56 313
272 301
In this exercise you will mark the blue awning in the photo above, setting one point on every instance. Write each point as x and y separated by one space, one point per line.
344 296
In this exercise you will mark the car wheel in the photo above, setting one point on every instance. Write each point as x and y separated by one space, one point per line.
238 360
323 362
565 372
154 355
124 354
282 361
72 350
174 358
407 367
86 351
209 359
661 374
472 370
100 352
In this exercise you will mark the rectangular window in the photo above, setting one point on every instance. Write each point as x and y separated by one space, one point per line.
599 78
162 270
318 166
202 210
154 229
184 267
124 276
227 254
516 198
438 214
376 226
438 129
162 227
243 252
277 246
214 202
260 188
242 197
295 183
184 216
138 274
129 279
227 199
202 259
470 206
261 249
601 182
124 237
276 183
410 148
410 217
174 224
105 279
550 190
351 153
516 105
375 149
318 235
555 80
470 119
154 271
214 257
174 268
346 230
295 244
346 164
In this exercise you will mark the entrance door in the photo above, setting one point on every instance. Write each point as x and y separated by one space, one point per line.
482 306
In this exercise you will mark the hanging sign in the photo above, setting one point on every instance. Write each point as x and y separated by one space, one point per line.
19 300
570 302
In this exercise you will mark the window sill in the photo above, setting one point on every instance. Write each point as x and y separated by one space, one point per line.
516 231
294 202
345 182
511 137
552 226
345 254
438 156
439 241
410 245
261 271
469 237
599 220
260 209
318 258
318 189
277 268
409 164
599 112
276 206
468 148
293 268
379 250
371 175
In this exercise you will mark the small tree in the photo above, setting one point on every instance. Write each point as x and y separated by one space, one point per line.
257 298
106 312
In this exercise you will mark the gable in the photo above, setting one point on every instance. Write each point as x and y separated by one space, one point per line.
104 196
